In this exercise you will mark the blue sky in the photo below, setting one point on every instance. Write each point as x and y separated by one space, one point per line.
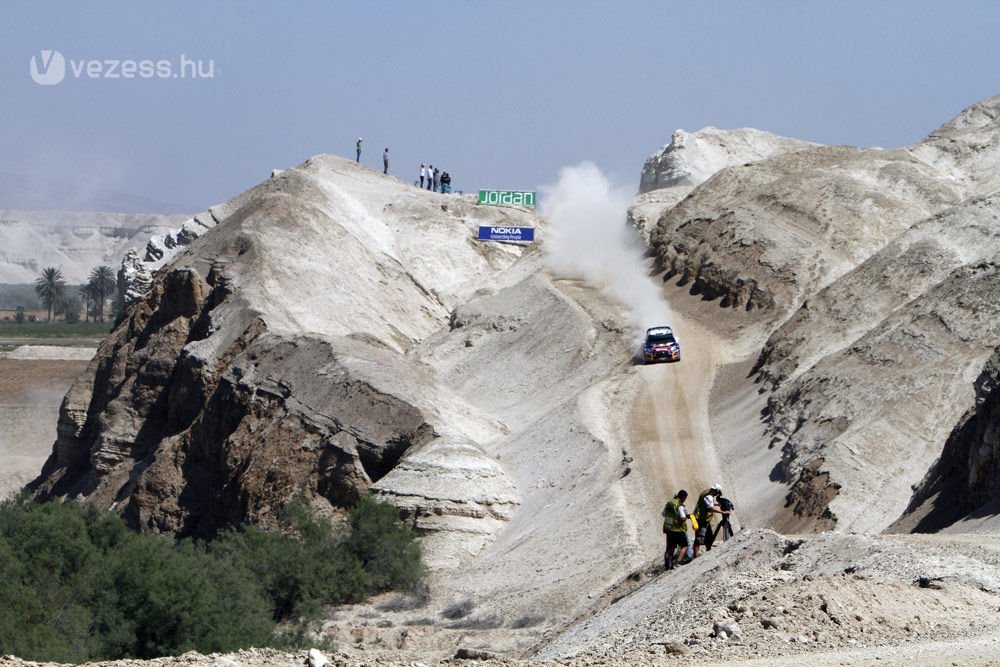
501 94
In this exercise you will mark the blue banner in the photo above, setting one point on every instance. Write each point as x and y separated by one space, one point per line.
506 233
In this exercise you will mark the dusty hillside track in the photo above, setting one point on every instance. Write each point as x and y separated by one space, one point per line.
669 423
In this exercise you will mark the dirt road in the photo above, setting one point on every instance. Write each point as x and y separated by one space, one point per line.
670 422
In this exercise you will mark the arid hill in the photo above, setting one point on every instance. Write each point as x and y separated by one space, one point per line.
334 331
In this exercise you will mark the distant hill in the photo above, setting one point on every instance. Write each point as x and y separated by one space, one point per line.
74 241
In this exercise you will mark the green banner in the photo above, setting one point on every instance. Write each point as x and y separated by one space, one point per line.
506 198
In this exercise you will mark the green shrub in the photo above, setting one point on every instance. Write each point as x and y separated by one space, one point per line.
76 585
386 549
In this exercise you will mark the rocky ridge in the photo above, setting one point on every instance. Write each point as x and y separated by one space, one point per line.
203 373
871 275
691 158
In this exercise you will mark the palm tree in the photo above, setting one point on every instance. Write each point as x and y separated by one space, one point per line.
102 282
50 287
89 301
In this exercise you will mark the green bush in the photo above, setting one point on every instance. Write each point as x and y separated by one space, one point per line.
76 585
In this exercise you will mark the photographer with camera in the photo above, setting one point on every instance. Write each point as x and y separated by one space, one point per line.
725 528
707 506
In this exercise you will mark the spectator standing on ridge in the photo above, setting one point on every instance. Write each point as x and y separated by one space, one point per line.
430 173
707 506
445 182
437 176
675 519
358 147
423 172
385 161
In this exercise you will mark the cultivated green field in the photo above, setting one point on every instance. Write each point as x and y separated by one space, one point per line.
54 330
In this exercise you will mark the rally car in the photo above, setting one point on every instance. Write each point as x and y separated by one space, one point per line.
661 345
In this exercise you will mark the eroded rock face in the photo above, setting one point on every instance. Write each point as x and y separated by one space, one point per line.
134 279
767 235
876 369
965 481
455 494
268 362
872 275
691 158
188 442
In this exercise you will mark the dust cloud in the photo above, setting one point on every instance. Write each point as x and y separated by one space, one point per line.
589 239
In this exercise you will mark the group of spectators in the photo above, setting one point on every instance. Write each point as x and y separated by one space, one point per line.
437 181
676 517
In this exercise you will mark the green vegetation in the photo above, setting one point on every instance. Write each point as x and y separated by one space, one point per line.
76 585
50 288
51 293
99 287
14 329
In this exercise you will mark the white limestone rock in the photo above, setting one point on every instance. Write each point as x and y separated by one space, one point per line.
454 494
691 158
134 278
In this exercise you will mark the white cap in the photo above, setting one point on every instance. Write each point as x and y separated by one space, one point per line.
717 487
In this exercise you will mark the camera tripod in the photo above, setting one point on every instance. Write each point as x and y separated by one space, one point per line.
725 529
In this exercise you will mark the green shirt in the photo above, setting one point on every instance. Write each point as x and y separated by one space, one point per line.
673 519
701 511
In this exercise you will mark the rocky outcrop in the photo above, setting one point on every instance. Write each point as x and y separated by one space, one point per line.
134 280
454 493
766 235
964 482
690 159
232 384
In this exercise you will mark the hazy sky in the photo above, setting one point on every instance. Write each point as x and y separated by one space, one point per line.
501 94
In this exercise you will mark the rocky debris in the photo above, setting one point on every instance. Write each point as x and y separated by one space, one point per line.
317 659
726 629
772 597
473 654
